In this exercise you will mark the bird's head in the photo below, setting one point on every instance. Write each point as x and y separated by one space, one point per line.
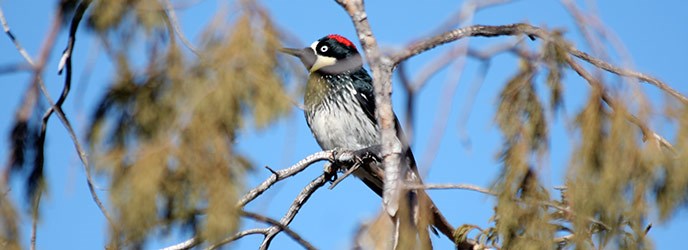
332 54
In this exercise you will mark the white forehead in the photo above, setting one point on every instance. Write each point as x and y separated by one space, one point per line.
313 45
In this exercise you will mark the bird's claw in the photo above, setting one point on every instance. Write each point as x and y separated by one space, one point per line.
330 171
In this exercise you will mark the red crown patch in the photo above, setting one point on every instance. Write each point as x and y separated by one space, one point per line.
342 40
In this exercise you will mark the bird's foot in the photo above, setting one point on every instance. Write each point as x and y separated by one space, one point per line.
330 170
347 157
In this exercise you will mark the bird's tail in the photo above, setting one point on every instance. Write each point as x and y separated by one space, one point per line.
433 216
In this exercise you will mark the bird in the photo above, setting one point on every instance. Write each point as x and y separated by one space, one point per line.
339 106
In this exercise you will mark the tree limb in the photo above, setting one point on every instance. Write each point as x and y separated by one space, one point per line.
381 68
300 200
532 32
283 174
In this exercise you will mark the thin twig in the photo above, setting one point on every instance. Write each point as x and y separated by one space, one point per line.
187 244
296 237
15 67
348 172
66 61
489 192
467 11
444 111
283 174
452 186
410 103
265 185
435 66
38 67
34 219
16 43
235 237
530 31
467 106
169 9
294 208
644 128
583 26
55 107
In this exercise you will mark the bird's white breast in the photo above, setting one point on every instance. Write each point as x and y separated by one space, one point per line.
342 125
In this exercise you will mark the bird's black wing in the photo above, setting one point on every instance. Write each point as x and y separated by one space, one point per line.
365 95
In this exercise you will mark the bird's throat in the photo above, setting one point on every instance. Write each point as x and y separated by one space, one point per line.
316 91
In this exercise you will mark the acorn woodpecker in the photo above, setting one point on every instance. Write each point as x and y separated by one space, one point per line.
339 106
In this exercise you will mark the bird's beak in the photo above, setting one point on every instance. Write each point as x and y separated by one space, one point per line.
293 52
307 55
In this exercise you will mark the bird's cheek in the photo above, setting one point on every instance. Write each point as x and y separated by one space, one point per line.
308 58
323 61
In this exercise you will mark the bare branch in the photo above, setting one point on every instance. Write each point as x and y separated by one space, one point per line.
16 43
296 237
530 31
294 208
468 10
187 244
264 231
583 25
283 174
348 172
15 67
237 236
410 103
169 9
31 100
56 107
647 132
381 69
277 226
452 186
444 110
276 176
488 192
629 73
467 107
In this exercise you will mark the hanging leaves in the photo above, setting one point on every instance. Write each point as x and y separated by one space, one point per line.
166 133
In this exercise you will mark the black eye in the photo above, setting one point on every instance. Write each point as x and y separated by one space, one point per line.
324 48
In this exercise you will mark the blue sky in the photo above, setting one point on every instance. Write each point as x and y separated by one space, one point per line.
653 33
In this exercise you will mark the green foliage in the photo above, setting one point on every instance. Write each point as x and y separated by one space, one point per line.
9 231
522 219
165 134
671 189
610 177
616 168
106 15
554 57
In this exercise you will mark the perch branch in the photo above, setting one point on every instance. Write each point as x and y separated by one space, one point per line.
296 237
283 174
300 200
276 176
381 68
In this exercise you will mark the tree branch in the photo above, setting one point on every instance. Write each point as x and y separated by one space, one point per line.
169 10
283 174
452 186
381 68
647 132
532 32
300 200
